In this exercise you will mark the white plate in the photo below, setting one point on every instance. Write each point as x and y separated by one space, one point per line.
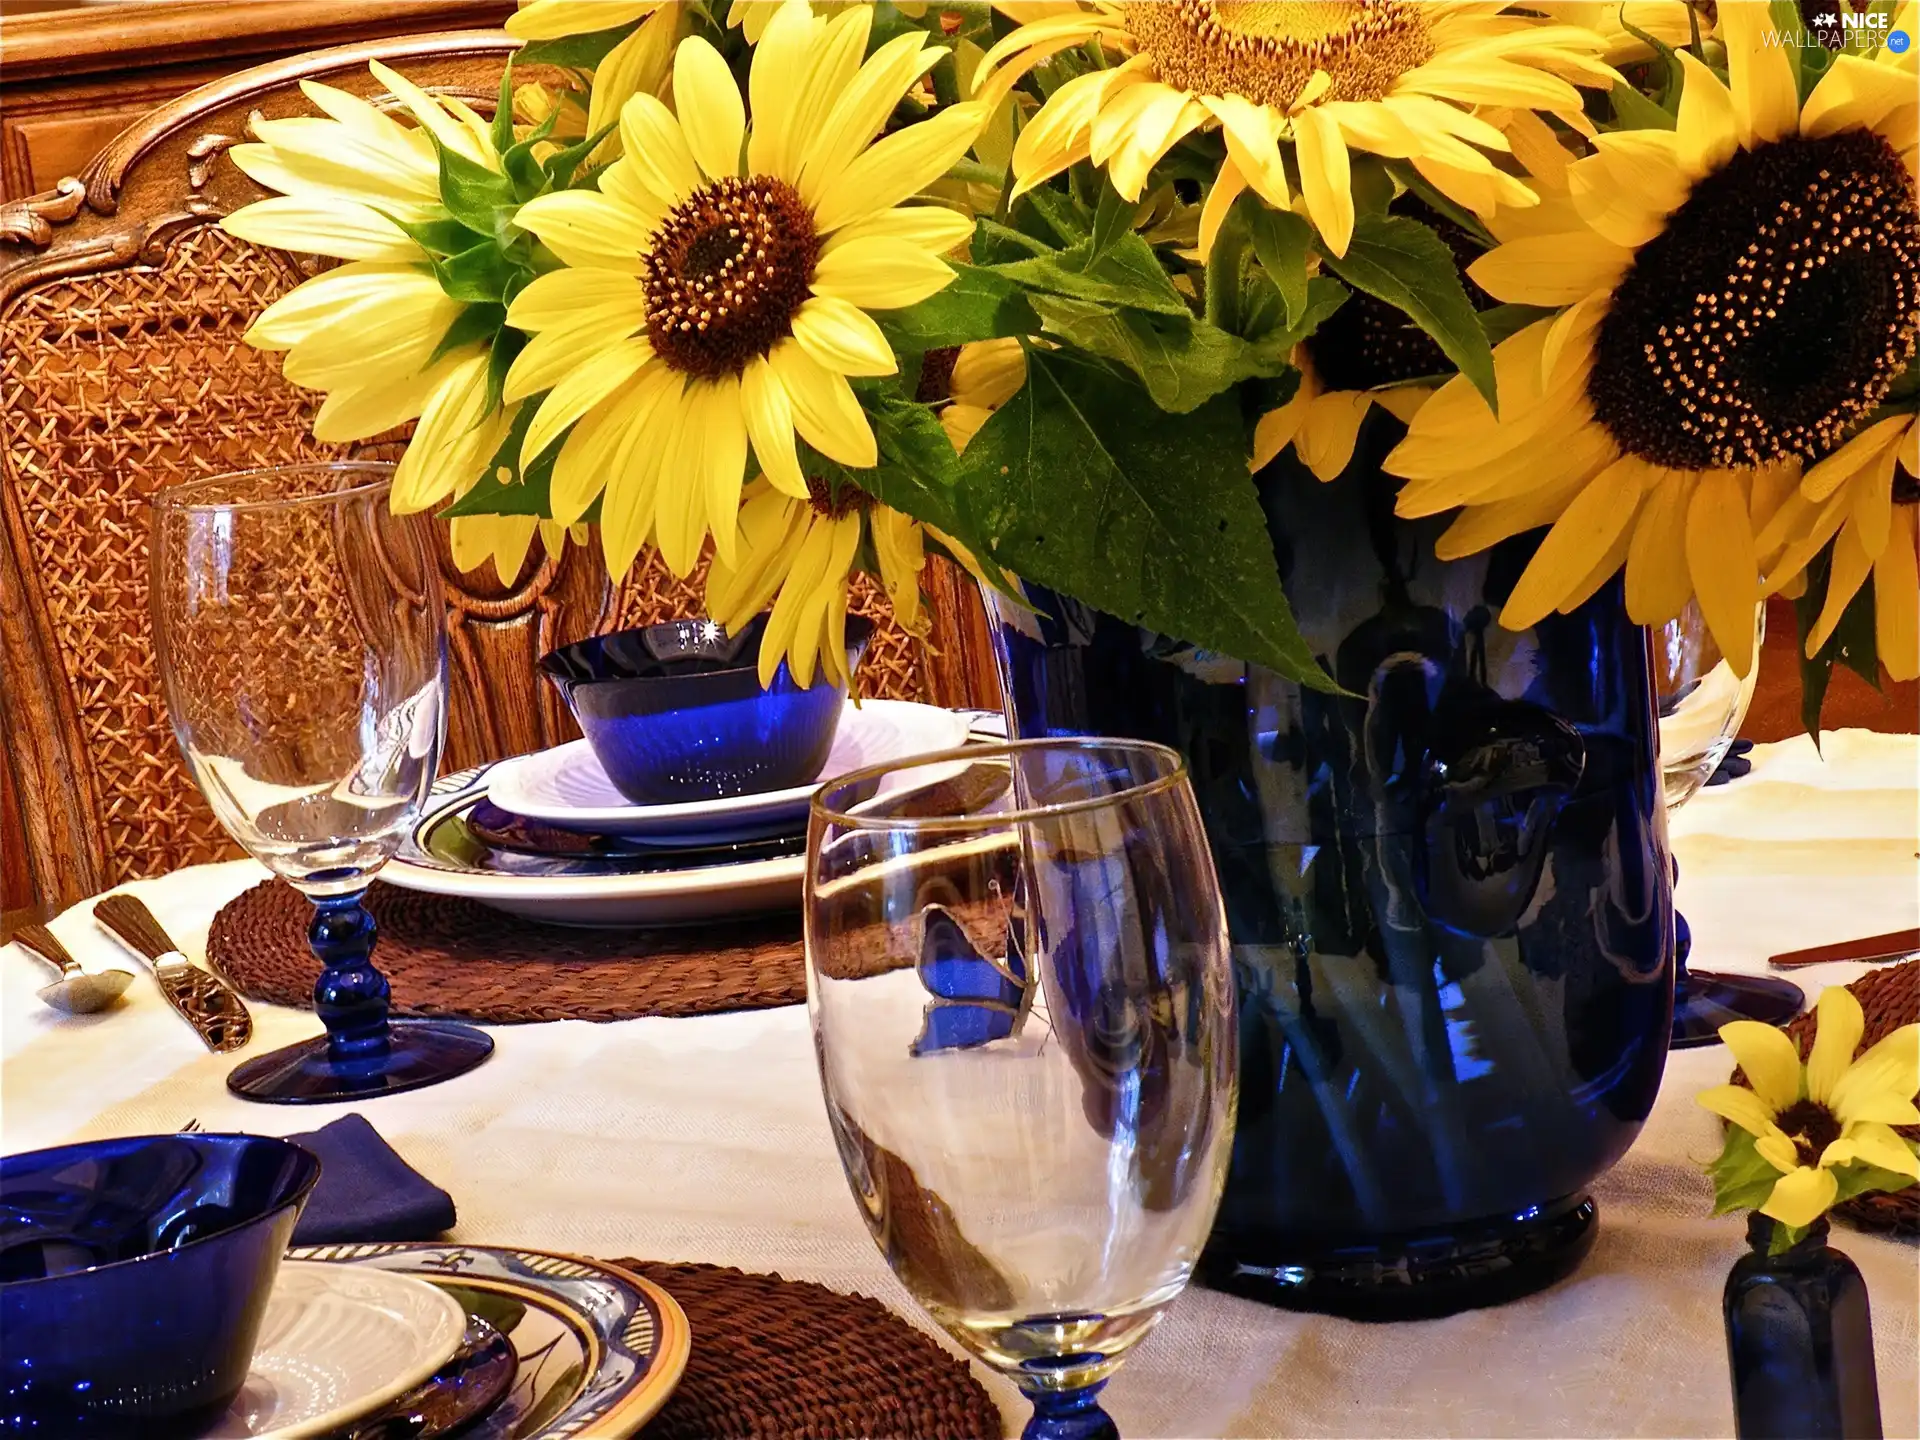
337 1342
565 786
589 893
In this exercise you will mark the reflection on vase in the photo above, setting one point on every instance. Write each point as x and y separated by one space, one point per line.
1448 894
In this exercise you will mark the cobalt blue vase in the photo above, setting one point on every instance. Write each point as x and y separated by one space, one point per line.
1448 891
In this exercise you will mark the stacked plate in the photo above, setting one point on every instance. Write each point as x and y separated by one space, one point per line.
370 1342
548 837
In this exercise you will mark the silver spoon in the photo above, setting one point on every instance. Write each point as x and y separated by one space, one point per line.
77 991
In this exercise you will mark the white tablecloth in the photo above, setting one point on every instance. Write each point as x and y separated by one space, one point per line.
706 1140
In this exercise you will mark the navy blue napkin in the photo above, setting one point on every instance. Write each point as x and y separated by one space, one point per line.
366 1191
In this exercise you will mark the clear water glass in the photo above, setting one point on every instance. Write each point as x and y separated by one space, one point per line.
1018 976
1702 702
301 634
1702 706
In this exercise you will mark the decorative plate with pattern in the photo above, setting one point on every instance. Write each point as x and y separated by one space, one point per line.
600 1348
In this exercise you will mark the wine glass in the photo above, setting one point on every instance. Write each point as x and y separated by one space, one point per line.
1702 703
301 636
1019 980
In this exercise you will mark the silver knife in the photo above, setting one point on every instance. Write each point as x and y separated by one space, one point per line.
218 1016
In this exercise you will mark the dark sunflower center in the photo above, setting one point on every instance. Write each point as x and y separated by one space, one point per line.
1772 313
836 504
1267 50
729 267
1367 342
1811 1126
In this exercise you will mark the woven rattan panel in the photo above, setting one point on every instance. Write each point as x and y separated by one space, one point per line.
112 386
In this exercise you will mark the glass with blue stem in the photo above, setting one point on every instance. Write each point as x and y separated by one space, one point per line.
1020 985
300 629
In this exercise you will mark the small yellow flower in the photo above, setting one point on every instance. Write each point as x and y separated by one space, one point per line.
1834 1111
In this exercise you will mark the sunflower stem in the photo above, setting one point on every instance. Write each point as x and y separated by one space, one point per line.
1225 266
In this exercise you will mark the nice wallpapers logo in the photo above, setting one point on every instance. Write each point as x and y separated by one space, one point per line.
1845 29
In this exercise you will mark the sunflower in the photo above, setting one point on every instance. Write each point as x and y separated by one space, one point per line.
1394 78
1739 293
798 555
1865 496
986 374
712 302
1835 1110
367 332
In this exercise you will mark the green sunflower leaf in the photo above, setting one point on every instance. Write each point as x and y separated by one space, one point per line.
476 322
1860 1178
575 52
527 494
481 274
1742 1177
473 194
1785 1237
1051 216
1410 267
441 237
980 304
1082 484
1112 218
526 174
1183 362
1673 76
994 243
1128 274
501 129
1634 111
507 346
1282 240
562 164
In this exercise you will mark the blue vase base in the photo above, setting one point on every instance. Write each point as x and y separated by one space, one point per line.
418 1053
1414 1276
1704 1000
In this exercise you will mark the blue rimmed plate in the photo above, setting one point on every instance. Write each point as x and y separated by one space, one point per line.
600 1349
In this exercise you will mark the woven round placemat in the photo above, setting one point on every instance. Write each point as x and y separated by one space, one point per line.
457 959
774 1357
1889 999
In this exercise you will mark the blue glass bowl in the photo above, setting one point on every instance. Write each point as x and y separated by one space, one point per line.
133 1277
675 712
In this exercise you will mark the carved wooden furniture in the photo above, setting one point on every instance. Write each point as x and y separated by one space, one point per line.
122 371
72 77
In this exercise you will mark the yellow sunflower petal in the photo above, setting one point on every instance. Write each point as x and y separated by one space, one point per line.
1765 103
552 19
1778 1151
880 274
1802 1197
655 152
628 510
725 457
932 228
1854 457
1740 1105
1769 1060
585 463
1722 563
1227 187
825 411
1550 269
423 478
1840 1024
1277 428
1854 94
1585 533
1658 586
1253 145
587 230
713 117
902 164
1330 431
1851 566
1889 1071
343 231
1876 1145
1478 526
582 388
1896 596
862 111
782 58
1326 178
843 337
769 421
1627 188
1708 130
827 71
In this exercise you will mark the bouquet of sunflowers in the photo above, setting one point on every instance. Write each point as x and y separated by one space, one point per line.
1046 285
